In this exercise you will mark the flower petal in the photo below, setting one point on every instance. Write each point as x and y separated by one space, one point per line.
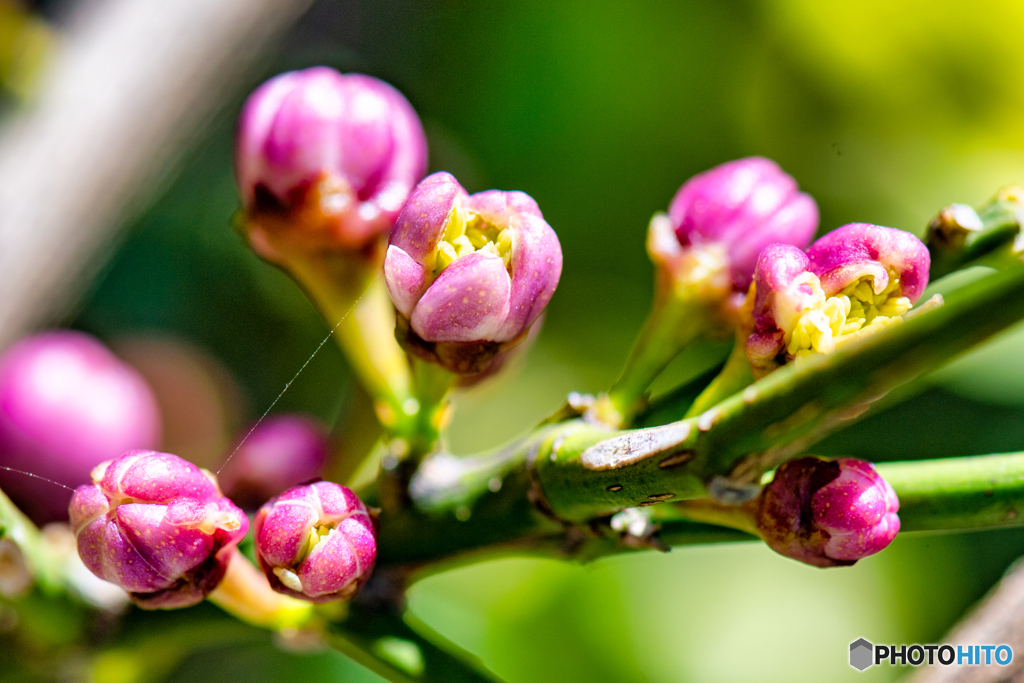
469 301
536 269
422 222
406 279
850 252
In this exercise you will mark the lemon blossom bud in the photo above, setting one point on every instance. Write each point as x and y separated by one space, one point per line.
316 542
828 513
157 526
731 213
469 274
325 160
66 405
280 452
852 282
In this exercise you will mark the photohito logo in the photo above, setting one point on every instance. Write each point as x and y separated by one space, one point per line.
863 654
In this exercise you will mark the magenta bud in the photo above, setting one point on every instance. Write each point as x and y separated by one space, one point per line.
333 155
828 513
66 405
157 526
743 206
316 542
280 452
469 274
851 283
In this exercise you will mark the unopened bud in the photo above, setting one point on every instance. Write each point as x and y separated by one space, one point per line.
325 160
280 452
157 526
66 405
828 513
469 274
737 208
316 542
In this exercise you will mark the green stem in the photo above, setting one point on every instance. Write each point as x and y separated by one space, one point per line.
431 386
40 562
353 299
577 472
958 493
779 417
672 324
733 378
950 494
385 643
246 594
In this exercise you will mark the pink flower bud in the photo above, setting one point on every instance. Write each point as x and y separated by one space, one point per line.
281 452
469 274
316 542
157 526
337 153
851 283
828 513
66 405
744 206
861 251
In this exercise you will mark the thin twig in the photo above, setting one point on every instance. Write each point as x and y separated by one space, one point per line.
131 81
997 620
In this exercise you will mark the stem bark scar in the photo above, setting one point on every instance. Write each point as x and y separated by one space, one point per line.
632 447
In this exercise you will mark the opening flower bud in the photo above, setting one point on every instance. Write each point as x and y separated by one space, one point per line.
740 207
469 274
325 160
852 282
280 452
316 542
66 405
157 526
828 513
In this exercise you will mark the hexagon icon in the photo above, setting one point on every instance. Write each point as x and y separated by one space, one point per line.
861 654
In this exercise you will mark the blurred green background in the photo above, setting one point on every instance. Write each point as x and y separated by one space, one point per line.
885 112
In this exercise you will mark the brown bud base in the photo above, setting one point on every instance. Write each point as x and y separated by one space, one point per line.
460 358
190 589
785 520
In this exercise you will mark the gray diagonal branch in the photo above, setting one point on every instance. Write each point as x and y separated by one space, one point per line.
131 82
998 619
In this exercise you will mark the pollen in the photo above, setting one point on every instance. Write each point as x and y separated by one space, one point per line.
855 312
316 534
468 233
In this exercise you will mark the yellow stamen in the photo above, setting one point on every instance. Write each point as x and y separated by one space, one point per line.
851 314
467 233
316 534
